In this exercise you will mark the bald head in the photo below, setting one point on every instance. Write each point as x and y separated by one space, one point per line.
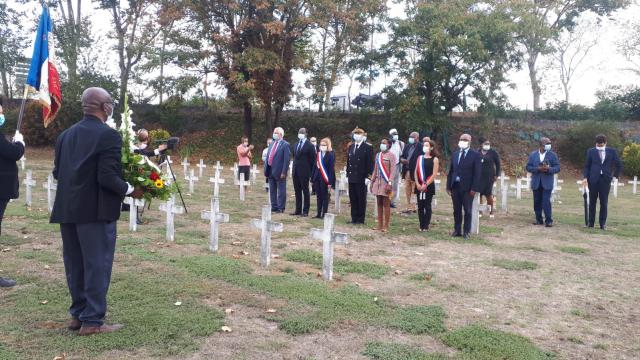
97 102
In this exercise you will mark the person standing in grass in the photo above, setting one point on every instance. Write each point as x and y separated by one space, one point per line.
382 184
490 169
244 159
427 167
324 176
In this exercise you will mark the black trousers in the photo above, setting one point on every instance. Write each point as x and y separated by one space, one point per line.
461 200
323 197
599 190
424 209
3 207
88 259
301 188
358 199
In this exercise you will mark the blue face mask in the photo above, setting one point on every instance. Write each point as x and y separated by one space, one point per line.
547 147
412 140
275 137
1 119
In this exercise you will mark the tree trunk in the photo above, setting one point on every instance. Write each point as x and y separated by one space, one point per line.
248 121
124 79
349 90
3 73
565 86
278 112
268 121
162 50
535 82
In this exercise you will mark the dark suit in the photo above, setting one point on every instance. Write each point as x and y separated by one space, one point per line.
599 175
276 171
463 177
9 182
304 154
359 168
542 184
410 153
322 189
90 190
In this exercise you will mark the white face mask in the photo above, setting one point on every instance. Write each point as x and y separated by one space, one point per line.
601 148
486 147
426 149
313 143
463 144
395 137
411 141
383 147
323 148
142 146
275 136
246 144
547 147
301 136
357 137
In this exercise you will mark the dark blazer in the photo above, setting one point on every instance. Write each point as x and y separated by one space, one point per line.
490 167
538 177
303 160
411 167
593 167
330 165
89 172
468 169
360 163
146 152
9 154
280 165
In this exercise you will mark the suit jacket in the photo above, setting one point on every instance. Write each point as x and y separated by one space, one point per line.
468 169
280 165
89 172
537 177
594 167
330 166
359 163
415 154
303 159
146 152
9 154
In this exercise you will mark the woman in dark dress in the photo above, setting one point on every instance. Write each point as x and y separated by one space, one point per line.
427 167
490 170
323 176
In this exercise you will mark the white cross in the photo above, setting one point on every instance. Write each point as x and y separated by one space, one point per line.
329 238
29 182
51 188
502 178
170 208
242 184
635 184
504 196
556 188
615 184
235 171
191 178
201 166
168 171
437 183
342 189
134 204
476 208
254 174
266 226
519 187
218 167
23 160
290 168
215 218
217 180
185 165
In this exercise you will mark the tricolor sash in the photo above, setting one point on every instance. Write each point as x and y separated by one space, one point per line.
384 172
322 167
421 170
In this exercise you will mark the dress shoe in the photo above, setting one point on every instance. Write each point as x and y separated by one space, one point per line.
5 283
548 225
295 214
317 217
465 236
537 223
456 234
74 324
103 329
603 227
304 215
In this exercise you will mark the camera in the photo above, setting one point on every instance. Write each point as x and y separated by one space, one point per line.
171 142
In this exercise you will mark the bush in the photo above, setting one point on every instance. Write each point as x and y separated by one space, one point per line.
631 159
158 135
578 140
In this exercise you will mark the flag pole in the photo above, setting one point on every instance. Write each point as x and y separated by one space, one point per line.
24 100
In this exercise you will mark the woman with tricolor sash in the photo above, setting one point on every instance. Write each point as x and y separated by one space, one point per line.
382 184
323 176
425 174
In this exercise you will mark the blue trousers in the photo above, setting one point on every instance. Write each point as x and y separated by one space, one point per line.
600 190
461 200
278 193
88 258
542 202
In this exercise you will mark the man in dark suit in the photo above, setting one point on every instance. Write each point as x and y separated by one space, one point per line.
304 154
602 165
87 205
411 152
542 164
10 152
463 181
276 169
359 170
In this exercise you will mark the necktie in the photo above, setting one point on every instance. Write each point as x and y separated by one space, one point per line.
601 156
274 147
299 146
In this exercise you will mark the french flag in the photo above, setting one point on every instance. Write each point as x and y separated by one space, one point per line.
43 81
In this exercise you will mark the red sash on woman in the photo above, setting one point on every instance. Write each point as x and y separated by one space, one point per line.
422 175
322 167
384 172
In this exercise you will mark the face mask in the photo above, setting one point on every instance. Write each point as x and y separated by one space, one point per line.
463 144
486 147
600 148
275 137
246 144
364 138
142 146
1 119
412 140
426 149
323 148
547 147
301 136
313 143
395 137
383 147
357 137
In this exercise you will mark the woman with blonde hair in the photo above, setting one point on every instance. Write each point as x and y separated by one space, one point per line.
323 176
382 183
427 167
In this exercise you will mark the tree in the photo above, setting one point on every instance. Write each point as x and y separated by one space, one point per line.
541 21
136 28
629 46
12 40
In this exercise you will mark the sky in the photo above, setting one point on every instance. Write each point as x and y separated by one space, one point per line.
602 67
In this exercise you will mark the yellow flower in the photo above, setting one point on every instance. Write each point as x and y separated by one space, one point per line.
159 184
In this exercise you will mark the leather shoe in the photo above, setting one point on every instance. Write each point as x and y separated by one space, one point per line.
603 227
456 234
537 223
548 225
295 214
304 215
465 236
74 324
103 329
5 283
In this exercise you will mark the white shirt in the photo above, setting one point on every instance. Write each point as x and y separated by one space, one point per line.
396 149
542 156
